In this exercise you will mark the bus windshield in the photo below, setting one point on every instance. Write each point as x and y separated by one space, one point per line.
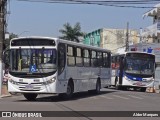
33 60
139 66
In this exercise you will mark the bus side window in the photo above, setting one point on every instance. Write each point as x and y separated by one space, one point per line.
100 59
86 58
109 60
61 57
113 62
105 60
79 58
117 61
93 59
71 56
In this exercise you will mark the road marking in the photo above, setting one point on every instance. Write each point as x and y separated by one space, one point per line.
135 97
121 97
106 97
93 97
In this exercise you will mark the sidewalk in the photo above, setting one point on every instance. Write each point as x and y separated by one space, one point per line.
5 92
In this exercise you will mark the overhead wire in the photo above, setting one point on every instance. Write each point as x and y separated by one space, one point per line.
113 3
116 3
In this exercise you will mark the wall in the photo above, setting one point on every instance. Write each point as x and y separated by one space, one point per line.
93 38
113 39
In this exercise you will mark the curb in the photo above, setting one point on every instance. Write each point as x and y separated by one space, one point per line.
3 96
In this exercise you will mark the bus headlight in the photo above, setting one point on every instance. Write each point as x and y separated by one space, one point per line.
49 81
126 78
13 82
148 80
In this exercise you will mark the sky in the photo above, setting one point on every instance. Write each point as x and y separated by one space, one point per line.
46 19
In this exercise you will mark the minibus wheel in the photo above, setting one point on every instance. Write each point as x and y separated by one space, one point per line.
30 96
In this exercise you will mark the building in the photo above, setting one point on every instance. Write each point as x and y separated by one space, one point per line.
152 33
111 39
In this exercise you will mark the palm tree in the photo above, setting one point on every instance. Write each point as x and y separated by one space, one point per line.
71 33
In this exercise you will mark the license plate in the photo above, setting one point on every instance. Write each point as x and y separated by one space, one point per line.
139 84
29 86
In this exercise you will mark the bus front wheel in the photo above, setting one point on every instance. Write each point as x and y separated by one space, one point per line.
143 89
30 96
69 92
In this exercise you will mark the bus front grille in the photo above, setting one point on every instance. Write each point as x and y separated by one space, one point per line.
28 90
32 89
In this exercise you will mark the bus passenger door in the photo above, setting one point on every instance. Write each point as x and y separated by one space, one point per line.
61 58
121 71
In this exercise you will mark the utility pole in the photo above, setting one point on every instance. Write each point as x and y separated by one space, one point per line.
3 11
140 33
127 38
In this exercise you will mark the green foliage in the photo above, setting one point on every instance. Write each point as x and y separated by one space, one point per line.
71 33
7 41
12 35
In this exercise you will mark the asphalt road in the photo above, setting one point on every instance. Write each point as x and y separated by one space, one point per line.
108 100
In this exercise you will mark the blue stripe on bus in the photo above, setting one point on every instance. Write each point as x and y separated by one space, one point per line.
129 76
133 78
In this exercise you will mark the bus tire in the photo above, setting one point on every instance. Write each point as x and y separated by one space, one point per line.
98 87
143 89
124 88
30 96
69 92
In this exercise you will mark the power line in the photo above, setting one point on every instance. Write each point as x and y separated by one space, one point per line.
113 1
103 3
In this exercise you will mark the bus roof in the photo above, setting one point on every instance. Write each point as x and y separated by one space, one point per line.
131 52
63 41
82 45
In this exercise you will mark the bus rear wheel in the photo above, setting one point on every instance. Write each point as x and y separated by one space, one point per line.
30 96
98 87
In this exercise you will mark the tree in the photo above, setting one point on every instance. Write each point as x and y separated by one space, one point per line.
7 41
12 35
71 33
6 46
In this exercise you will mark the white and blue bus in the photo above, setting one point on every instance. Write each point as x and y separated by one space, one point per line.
133 70
43 65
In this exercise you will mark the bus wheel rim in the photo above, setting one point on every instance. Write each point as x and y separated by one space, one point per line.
68 90
98 87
